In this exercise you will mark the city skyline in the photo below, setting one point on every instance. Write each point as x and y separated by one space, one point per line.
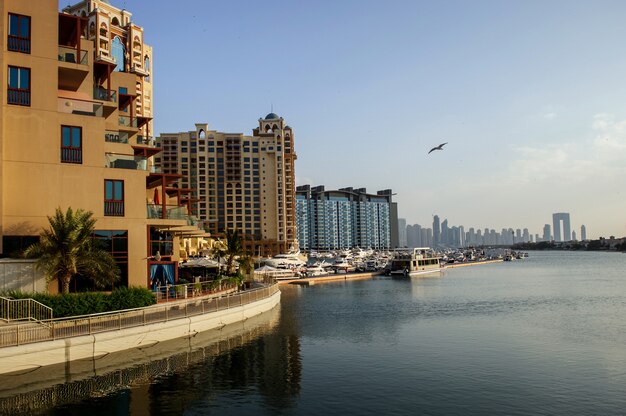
532 118
439 233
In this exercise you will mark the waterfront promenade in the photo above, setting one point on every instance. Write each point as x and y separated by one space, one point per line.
28 347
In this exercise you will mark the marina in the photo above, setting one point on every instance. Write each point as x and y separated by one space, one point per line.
539 336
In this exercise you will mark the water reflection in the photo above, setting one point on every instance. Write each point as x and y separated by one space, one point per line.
166 377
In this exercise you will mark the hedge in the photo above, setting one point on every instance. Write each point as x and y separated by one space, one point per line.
87 303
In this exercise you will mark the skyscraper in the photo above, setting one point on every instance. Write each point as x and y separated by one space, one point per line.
557 219
547 235
402 235
583 233
436 231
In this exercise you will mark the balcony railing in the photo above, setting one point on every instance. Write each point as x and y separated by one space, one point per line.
103 94
71 155
172 212
114 208
120 161
81 107
126 121
115 137
70 55
18 44
146 140
18 96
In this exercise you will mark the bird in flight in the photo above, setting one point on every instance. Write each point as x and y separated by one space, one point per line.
440 147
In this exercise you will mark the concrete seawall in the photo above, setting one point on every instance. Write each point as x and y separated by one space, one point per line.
29 357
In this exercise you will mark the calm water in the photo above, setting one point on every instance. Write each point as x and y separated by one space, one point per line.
546 335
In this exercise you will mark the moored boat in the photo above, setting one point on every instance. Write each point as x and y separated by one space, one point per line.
414 262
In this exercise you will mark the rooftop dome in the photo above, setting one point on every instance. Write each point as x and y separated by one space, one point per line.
271 116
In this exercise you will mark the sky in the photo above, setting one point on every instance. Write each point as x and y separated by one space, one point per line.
530 96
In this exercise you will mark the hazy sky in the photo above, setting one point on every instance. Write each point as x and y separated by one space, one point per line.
530 95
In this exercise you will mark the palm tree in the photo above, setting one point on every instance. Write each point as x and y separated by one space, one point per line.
232 248
67 249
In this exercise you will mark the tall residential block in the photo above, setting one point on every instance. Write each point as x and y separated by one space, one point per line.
76 131
547 234
436 231
583 233
343 218
402 234
558 219
233 181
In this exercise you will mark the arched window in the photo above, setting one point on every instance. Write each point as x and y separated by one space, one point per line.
201 134
146 67
117 51
115 22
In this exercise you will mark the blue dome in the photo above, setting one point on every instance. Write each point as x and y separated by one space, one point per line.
272 116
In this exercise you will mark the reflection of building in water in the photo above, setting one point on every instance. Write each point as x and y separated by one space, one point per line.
197 367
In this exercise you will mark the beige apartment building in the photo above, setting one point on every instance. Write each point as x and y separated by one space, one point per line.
235 181
76 131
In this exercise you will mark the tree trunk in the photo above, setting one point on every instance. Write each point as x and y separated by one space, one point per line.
65 281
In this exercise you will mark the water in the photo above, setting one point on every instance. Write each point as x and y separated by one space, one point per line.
542 336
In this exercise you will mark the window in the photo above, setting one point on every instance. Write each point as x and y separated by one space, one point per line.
71 144
19 33
113 198
115 242
118 53
19 86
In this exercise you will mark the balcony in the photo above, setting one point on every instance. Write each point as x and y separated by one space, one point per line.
129 123
137 69
121 161
71 55
172 212
146 140
84 107
103 94
115 137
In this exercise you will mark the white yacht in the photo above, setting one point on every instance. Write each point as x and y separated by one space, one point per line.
414 262
286 261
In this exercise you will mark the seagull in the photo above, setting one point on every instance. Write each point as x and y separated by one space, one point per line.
440 147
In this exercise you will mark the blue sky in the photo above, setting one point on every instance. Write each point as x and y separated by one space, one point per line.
530 95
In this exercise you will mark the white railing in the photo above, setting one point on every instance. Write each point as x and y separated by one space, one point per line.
12 335
23 310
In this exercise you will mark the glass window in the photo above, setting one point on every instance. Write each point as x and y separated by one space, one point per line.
113 198
118 53
71 144
19 33
19 86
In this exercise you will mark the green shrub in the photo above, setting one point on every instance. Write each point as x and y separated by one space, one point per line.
88 303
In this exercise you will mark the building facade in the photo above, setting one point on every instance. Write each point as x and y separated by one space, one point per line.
344 218
233 181
75 131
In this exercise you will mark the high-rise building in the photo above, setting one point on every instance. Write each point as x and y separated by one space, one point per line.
344 218
573 235
583 233
436 231
402 234
557 219
232 181
76 129
547 235
445 237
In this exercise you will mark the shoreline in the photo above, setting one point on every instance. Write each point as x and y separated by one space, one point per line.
310 281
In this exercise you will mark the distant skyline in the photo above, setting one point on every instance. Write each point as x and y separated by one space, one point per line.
530 96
